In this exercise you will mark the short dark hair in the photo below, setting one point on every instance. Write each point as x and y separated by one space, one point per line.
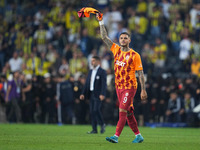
125 33
96 57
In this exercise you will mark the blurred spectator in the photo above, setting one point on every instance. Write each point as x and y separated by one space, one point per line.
4 87
27 43
195 48
105 62
102 3
55 66
37 98
19 38
189 104
48 100
163 98
4 25
149 56
68 15
2 51
74 31
67 52
193 14
91 24
151 4
106 17
2 97
61 39
160 50
175 110
34 63
173 9
10 38
153 113
41 36
51 54
15 62
142 25
64 68
197 27
12 98
39 17
45 64
115 17
6 70
83 63
93 53
188 25
155 22
185 48
165 8
185 5
75 64
65 97
174 34
197 91
86 44
195 67
81 107
27 105
141 6
132 20
25 70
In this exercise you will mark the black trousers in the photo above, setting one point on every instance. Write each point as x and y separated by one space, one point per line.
95 111
13 110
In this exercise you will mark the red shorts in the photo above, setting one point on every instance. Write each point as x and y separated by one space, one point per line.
125 98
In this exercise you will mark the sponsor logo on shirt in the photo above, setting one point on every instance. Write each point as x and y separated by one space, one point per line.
120 63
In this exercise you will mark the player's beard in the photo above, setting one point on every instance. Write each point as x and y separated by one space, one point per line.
124 45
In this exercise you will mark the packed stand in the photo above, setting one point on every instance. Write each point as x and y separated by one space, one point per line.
45 50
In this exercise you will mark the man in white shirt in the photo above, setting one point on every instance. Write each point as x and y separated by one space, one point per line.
95 90
15 62
185 46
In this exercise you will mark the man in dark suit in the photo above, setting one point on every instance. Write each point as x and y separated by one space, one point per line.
95 90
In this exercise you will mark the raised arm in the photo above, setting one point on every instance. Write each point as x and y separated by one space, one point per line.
142 82
104 34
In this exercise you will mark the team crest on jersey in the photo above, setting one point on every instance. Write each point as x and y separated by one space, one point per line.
127 57
126 94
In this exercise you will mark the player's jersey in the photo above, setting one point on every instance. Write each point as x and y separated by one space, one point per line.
125 65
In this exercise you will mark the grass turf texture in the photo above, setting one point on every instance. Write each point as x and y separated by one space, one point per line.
68 137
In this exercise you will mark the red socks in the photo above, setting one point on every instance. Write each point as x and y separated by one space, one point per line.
132 122
121 123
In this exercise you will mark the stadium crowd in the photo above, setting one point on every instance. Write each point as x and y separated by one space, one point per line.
43 43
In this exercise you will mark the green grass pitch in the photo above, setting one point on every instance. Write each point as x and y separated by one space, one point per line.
69 137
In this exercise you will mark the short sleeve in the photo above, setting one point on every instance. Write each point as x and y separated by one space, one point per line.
138 62
115 48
